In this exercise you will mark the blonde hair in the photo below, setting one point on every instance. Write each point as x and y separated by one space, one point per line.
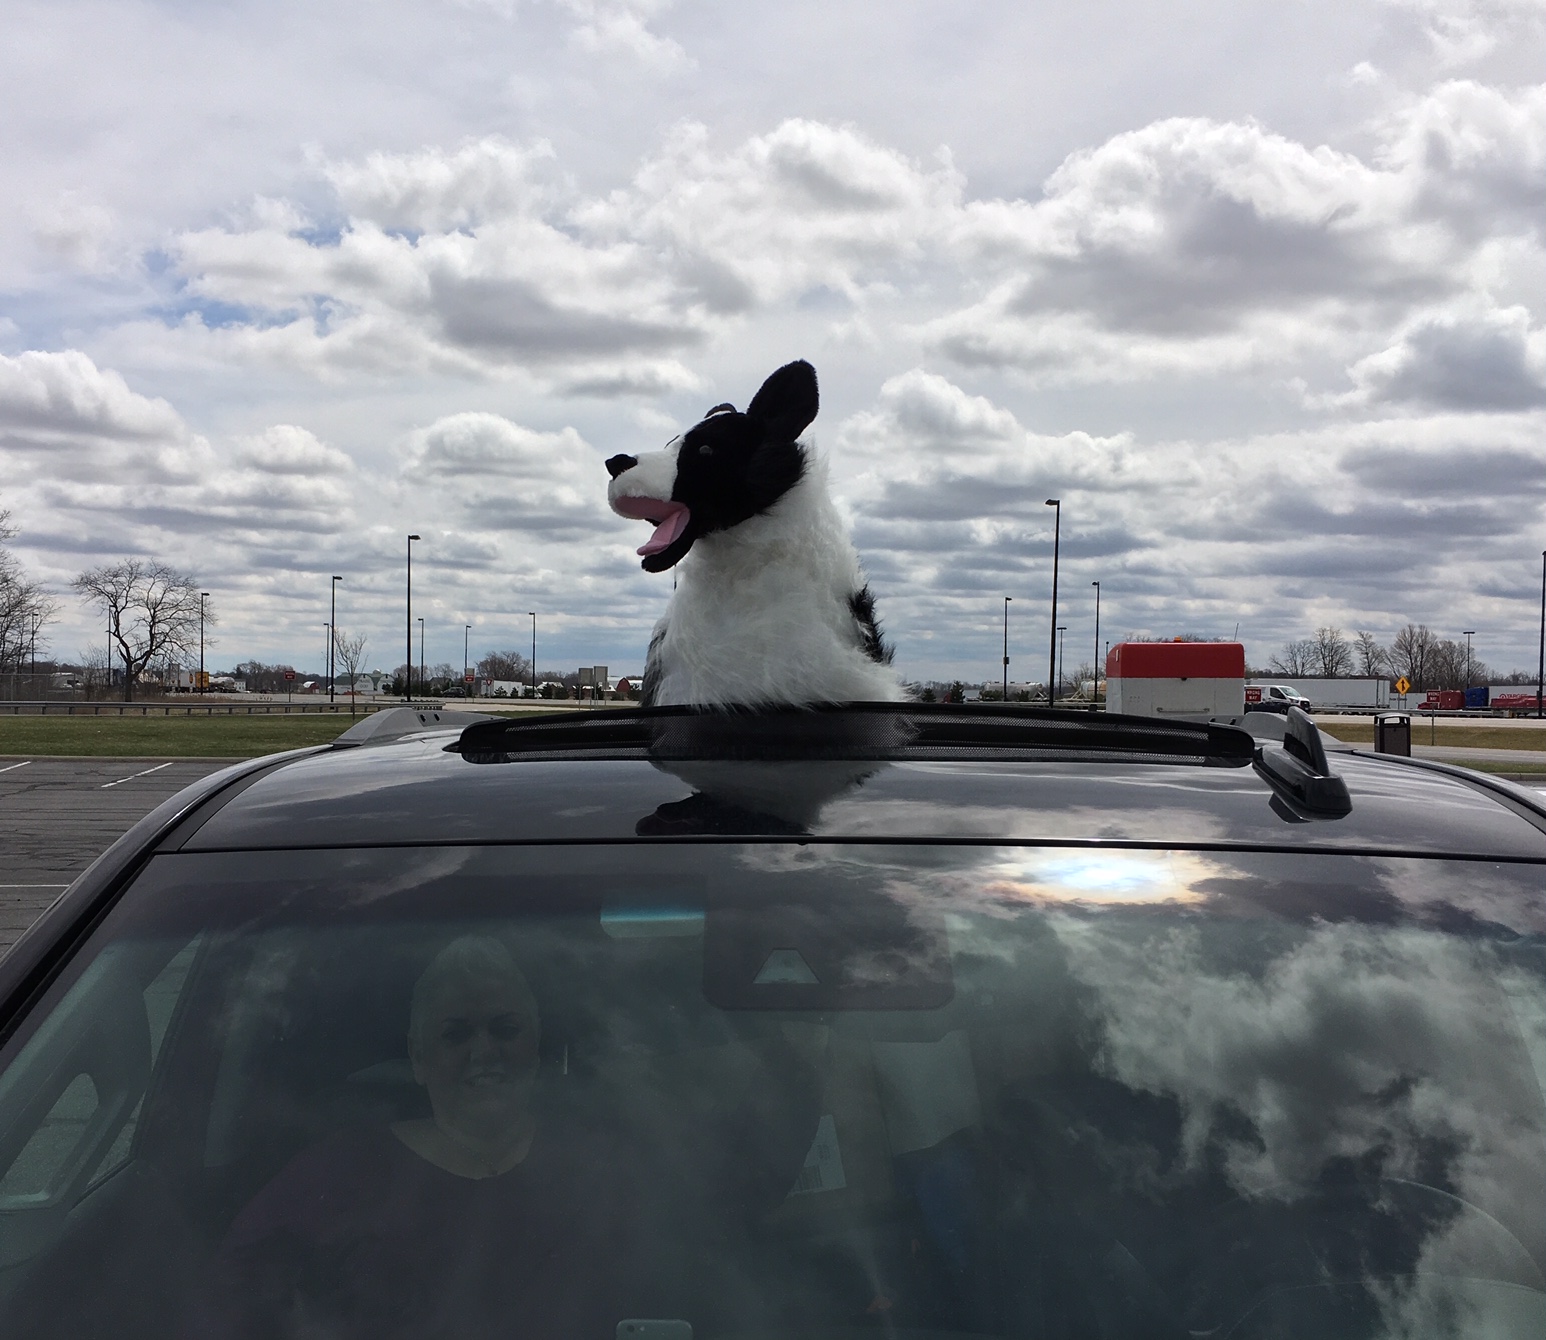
467 959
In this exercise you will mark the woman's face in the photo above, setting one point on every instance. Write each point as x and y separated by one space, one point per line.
475 1051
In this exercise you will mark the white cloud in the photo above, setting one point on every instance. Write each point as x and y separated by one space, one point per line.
504 481
1188 247
489 285
804 206
286 449
1380 1048
1279 531
1468 360
435 191
1463 31
55 396
621 26
88 458
75 231
478 444
1281 356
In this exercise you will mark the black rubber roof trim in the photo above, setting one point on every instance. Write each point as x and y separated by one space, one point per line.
865 731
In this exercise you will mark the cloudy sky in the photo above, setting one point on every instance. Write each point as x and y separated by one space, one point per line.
1258 287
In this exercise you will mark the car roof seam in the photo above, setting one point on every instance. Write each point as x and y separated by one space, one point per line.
824 840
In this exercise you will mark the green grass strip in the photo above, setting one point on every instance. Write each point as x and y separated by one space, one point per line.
167 737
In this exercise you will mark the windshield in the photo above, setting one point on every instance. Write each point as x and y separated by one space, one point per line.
786 1089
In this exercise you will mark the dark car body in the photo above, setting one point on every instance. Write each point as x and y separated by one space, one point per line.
890 1020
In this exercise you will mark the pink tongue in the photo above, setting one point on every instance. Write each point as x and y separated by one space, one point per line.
666 531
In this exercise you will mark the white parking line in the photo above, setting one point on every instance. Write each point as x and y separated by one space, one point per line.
132 776
34 886
11 766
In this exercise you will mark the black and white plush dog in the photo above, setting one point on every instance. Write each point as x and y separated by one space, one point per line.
773 608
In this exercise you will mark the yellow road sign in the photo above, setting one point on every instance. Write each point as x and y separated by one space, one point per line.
1403 684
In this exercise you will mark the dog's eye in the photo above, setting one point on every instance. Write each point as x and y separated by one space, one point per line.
705 450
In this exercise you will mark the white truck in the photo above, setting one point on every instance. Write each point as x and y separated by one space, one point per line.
1274 698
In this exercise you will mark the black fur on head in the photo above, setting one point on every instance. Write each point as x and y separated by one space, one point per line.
732 466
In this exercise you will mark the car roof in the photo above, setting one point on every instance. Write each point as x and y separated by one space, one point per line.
867 773
984 775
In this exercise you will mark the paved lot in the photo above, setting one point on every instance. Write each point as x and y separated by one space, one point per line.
57 815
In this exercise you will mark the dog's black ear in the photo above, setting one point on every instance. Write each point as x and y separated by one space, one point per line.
787 402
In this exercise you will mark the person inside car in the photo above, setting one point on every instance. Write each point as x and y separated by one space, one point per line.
470 1222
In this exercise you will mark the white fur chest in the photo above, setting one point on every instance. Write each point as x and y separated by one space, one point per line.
762 615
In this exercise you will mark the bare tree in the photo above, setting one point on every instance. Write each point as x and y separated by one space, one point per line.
509 665
1446 664
1333 657
1410 652
1296 659
1373 659
350 650
25 608
152 611
94 672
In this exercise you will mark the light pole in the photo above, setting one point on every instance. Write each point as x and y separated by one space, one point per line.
203 596
533 614
1007 599
1099 664
1052 646
327 632
408 626
332 637
1468 633
421 653
1062 628
1540 669
466 635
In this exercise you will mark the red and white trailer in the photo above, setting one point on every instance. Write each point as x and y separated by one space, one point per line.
1176 678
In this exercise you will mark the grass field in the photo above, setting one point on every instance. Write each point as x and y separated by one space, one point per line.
167 737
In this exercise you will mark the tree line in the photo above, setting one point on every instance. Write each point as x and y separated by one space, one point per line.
1415 653
155 614
25 607
155 617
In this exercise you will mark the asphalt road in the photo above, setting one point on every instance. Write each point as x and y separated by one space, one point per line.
57 815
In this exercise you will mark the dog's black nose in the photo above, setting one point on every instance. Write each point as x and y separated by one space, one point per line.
617 464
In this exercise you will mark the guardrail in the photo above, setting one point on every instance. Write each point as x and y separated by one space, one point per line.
191 709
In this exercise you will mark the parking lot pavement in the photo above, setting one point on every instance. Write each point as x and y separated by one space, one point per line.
57 815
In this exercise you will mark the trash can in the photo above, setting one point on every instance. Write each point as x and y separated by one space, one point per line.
1393 734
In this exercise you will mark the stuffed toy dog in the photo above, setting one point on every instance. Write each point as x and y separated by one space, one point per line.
771 606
